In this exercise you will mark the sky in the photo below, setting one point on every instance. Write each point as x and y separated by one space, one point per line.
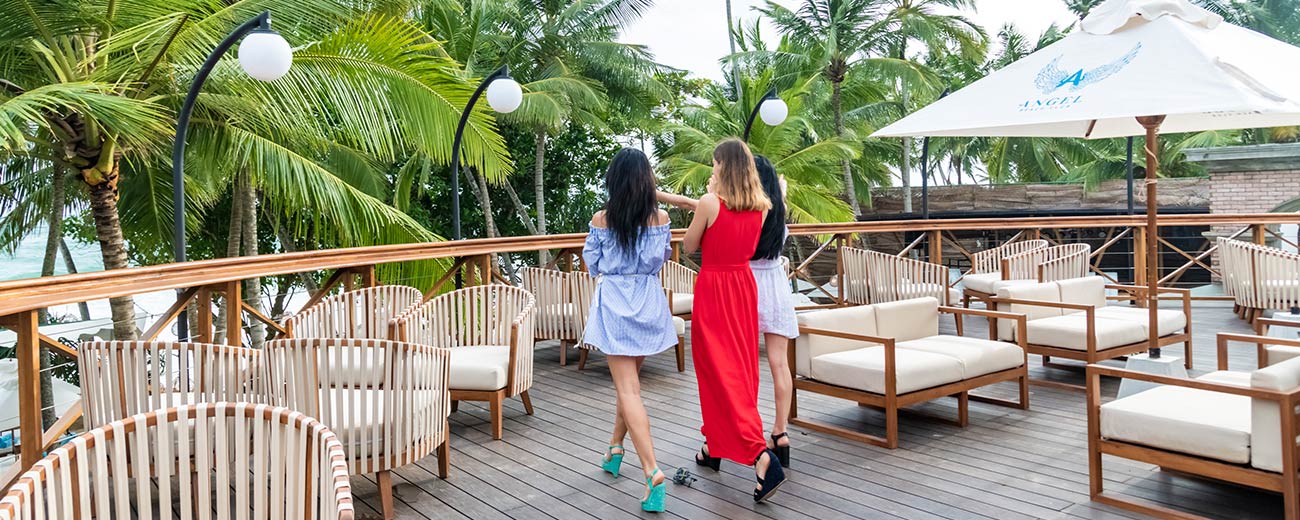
691 34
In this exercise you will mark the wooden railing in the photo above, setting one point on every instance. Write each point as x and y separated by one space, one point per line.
473 261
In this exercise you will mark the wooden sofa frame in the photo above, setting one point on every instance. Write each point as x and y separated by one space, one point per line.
1091 355
891 401
1244 475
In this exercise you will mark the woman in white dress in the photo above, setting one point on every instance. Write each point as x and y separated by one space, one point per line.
776 320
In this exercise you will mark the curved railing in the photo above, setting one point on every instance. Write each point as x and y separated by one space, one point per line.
472 261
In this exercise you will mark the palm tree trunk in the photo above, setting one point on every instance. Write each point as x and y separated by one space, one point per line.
520 210
905 167
232 250
112 245
252 287
478 185
289 246
539 192
850 192
53 240
731 38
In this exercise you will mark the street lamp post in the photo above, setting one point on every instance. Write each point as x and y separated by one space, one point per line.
772 109
504 96
264 55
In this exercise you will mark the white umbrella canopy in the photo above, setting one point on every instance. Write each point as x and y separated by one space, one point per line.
1135 67
1132 58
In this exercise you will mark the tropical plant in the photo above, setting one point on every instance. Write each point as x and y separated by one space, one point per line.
90 88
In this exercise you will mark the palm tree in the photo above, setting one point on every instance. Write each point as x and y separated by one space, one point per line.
568 53
90 88
905 21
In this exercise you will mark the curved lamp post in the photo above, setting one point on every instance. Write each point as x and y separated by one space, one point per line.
504 96
772 109
264 55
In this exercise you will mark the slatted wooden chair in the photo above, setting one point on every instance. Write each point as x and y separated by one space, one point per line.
558 312
986 269
680 282
1048 264
1259 277
229 459
361 313
489 329
387 401
875 277
124 378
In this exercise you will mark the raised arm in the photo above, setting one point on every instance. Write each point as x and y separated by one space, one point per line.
705 212
680 201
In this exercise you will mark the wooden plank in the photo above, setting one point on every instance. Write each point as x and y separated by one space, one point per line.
27 351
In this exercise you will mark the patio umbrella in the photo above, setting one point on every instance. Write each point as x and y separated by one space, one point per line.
1135 67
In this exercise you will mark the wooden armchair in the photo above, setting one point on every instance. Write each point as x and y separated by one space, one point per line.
558 309
1048 264
891 355
230 460
1237 427
1070 319
680 282
987 268
120 379
489 329
387 401
1259 277
362 313
875 277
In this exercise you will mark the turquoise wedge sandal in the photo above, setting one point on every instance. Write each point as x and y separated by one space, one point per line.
612 461
654 503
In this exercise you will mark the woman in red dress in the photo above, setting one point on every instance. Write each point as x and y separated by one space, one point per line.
724 319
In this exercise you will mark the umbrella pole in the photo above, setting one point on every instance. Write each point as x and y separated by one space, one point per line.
1152 126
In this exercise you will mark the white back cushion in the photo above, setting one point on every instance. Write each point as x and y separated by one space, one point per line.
853 320
1266 428
1089 290
1034 291
906 320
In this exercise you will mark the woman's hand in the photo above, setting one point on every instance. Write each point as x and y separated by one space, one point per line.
713 185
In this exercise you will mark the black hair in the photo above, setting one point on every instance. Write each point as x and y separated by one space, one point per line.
630 187
772 240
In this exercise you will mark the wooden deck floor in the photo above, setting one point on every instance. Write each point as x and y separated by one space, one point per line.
1007 465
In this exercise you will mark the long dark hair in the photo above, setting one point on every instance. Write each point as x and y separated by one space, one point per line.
772 239
630 187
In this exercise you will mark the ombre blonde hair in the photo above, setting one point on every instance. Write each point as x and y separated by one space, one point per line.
736 179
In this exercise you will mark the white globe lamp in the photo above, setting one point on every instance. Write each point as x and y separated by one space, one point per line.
265 55
774 111
504 95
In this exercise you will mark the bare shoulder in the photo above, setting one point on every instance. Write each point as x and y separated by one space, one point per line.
661 217
710 201
598 219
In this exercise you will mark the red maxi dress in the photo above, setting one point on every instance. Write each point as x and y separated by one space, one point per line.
724 337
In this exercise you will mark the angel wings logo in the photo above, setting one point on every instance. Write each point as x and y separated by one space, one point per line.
1053 79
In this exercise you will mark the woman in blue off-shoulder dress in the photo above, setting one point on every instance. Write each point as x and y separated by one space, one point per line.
629 317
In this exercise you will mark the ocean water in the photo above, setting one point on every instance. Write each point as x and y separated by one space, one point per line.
26 261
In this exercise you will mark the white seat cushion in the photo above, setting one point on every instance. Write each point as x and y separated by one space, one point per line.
982 282
1228 377
1196 422
908 319
864 369
1089 290
683 303
859 320
479 367
977 356
1169 320
679 325
1266 450
1046 292
1071 331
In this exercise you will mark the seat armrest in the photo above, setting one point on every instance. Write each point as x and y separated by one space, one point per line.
1259 341
1022 321
1096 371
888 342
1262 324
1043 303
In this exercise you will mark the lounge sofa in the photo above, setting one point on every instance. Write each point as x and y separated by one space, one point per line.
891 355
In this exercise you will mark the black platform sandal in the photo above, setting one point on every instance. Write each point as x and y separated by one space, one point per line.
703 459
782 452
771 479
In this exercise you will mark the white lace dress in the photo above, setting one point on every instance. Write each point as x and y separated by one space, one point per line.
775 308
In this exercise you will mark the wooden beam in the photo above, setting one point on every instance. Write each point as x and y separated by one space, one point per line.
263 318
56 345
182 300
27 350
234 319
203 334
326 287
61 426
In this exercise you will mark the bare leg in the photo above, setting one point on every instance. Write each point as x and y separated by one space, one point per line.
782 384
620 425
631 411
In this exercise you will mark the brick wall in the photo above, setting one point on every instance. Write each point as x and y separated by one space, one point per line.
1250 192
